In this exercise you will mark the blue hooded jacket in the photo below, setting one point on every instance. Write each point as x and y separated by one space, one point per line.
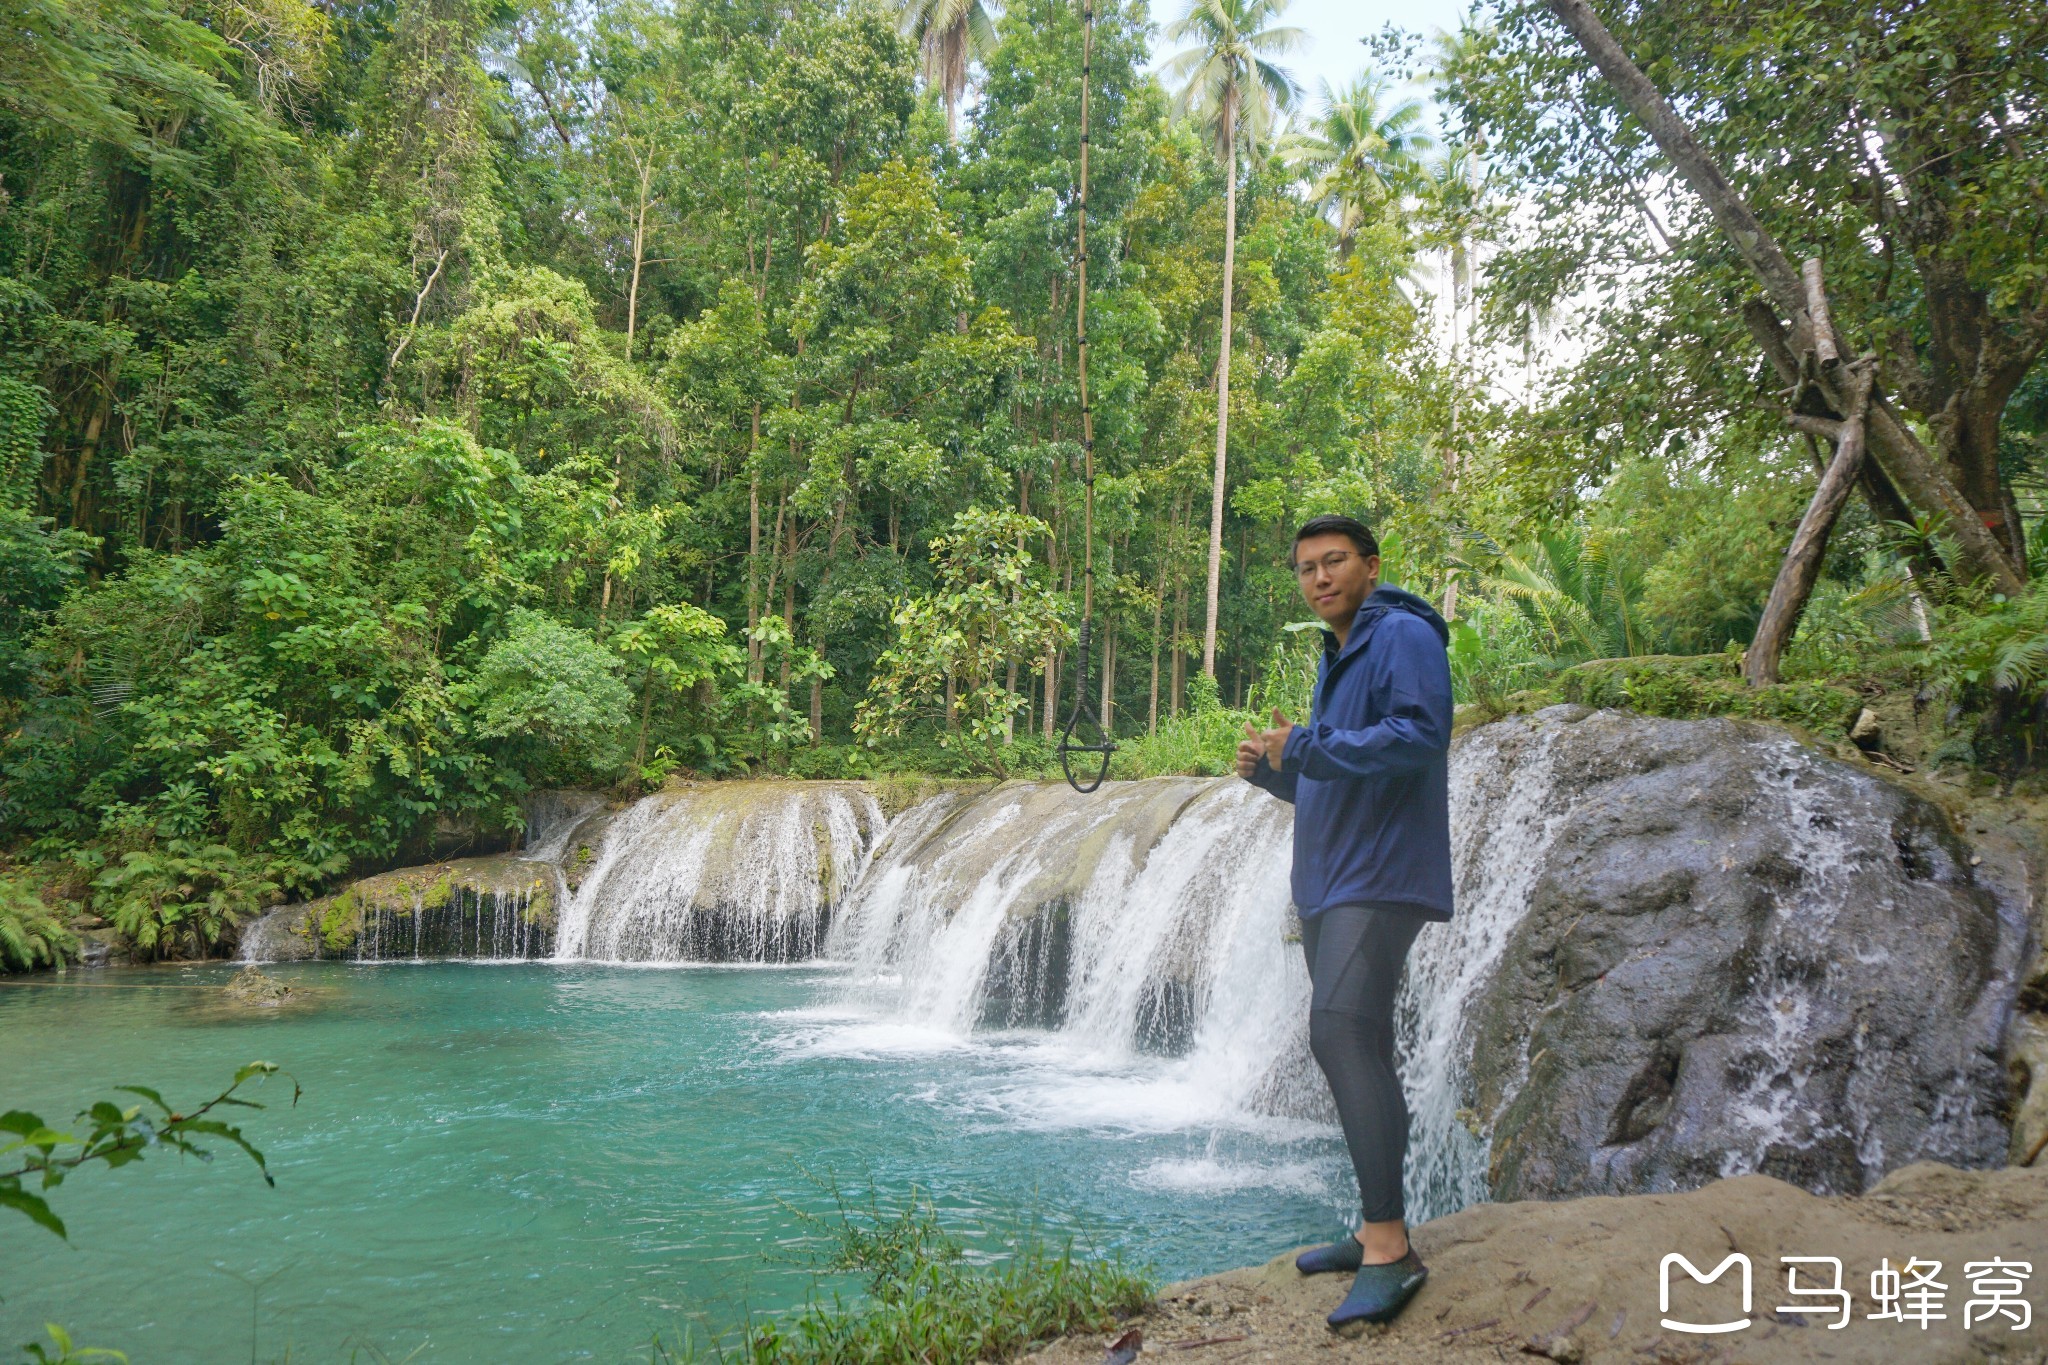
1369 774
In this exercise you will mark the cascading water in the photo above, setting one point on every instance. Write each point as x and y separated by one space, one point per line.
1153 918
737 872
1502 821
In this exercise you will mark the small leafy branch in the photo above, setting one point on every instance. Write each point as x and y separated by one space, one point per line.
116 1137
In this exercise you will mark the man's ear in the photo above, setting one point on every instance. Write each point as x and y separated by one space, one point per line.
1372 570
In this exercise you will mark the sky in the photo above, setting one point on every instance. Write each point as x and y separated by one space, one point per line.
1334 27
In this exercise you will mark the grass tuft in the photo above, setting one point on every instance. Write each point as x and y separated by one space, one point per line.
926 1300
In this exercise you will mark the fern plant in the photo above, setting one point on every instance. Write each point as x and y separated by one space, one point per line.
1575 592
30 935
1993 661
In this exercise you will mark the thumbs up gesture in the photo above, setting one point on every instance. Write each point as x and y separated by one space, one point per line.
1266 744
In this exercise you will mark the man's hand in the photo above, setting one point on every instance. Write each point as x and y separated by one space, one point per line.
1266 744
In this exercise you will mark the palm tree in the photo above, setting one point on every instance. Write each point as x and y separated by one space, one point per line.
950 34
1229 83
1361 153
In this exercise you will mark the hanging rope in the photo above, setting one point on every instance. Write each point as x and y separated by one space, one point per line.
1084 733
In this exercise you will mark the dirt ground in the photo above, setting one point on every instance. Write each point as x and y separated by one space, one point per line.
1577 1281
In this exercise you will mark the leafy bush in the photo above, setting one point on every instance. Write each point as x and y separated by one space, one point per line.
1494 655
1993 663
552 698
1199 742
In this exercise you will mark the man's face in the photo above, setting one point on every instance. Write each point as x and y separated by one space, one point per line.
1335 579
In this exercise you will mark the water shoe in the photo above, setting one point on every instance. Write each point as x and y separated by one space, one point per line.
1346 1255
1380 1292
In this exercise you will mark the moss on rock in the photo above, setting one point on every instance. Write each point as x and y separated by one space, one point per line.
1693 687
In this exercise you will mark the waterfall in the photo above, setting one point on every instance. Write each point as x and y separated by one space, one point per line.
1153 918
738 871
505 923
1503 819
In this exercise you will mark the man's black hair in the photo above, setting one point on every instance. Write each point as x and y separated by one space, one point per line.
1332 525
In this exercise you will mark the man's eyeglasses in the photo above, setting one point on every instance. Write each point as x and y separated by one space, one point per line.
1329 563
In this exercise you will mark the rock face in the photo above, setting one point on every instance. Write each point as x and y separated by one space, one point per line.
1738 955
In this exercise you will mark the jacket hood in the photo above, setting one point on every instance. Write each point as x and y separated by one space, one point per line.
1386 598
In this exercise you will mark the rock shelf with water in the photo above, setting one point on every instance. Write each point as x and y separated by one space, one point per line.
501 907
1683 950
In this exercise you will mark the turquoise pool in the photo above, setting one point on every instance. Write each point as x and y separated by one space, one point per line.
516 1163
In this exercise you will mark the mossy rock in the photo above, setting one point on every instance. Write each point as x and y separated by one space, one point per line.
1691 687
341 923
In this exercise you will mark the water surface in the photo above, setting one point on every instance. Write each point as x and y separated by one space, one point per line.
547 1162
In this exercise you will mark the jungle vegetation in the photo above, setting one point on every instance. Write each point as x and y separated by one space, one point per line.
406 404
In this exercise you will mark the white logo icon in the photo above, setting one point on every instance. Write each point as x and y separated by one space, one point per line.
1704 1329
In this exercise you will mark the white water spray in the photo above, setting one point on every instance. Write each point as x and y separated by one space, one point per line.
720 872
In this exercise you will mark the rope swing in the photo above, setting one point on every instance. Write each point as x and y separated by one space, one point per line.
1084 733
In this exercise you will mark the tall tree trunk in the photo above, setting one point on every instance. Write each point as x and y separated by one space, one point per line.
1158 610
646 714
639 251
1107 711
1050 720
754 550
1222 389
818 706
788 607
1180 656
1801 569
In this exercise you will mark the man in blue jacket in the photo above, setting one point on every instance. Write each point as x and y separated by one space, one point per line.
1369 779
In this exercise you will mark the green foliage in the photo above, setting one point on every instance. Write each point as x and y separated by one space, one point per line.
551 694
30 935
925 1300
68 1352
1495 653
177 895
35 1158
1576 599
1993 663
987 607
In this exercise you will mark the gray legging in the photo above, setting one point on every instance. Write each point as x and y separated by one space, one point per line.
1355 954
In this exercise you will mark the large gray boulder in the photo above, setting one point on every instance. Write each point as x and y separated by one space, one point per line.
1739 955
